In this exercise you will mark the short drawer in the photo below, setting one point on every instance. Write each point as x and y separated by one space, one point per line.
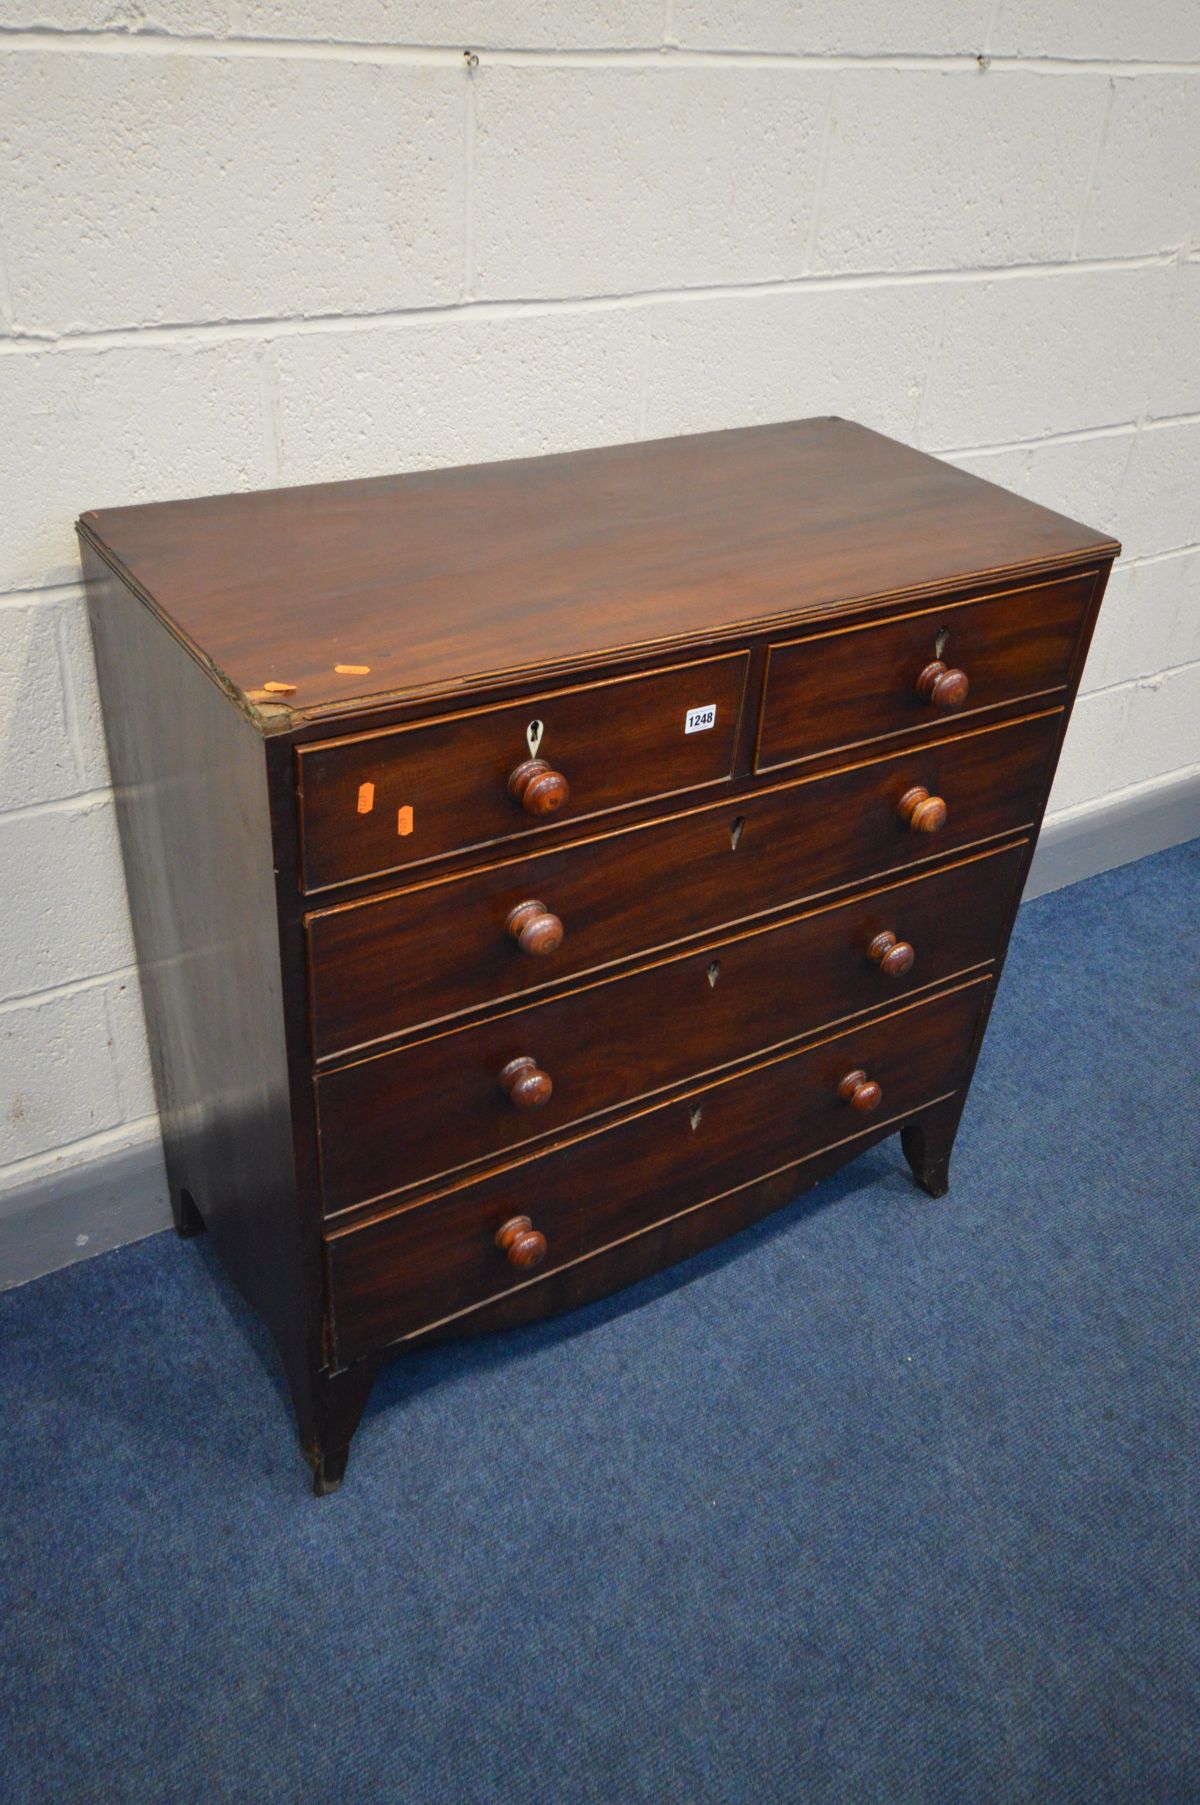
377 801
429 952
834 689
405 1271
393 1121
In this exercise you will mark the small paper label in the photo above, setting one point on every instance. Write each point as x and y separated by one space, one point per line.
699 720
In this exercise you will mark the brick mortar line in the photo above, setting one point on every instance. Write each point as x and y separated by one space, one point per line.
1072 436
1093 168
7 315
993 21
114 1062
43 594
931 370
1097 803
818 193
647 366
661 55
1172 551
141 1128
71 711
29 342
269 414
53 993
81 802
470 132
1152 677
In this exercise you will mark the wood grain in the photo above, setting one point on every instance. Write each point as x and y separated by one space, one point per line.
593 982
190 781
440 578
615 743
605 1046
421 954
852 686
397 1274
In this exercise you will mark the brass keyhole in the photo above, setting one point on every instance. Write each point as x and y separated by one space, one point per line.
533 736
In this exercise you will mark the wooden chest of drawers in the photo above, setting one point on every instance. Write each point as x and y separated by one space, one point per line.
543 869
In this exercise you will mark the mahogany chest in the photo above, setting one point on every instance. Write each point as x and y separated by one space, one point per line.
541 870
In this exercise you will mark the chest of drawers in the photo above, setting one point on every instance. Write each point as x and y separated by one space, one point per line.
541 870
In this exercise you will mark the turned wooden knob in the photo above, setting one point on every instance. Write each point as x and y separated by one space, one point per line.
527 1085
535 929
860 1092
893 957
524 1245
921 811
538 789
942 686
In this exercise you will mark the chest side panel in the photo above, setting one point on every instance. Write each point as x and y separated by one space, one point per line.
189 775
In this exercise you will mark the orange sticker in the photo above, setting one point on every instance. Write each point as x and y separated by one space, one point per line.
366 798
353 670
280 689
404 820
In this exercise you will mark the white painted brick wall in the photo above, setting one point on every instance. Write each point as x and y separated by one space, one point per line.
59 1078
1148 31
599 181
245 242
724 361
122 423
937 170
1144 190
832 27
453 389
62 869
269 187
1021 354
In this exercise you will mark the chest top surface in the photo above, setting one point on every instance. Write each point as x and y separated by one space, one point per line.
423 584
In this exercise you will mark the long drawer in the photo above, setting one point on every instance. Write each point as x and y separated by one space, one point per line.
426 953
617 1041
404 1271
833 689
376 801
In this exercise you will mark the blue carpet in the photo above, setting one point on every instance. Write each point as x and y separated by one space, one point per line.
887 1501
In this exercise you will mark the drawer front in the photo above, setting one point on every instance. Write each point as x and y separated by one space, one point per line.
378 801
403 1272
427 953
832 690
605 1046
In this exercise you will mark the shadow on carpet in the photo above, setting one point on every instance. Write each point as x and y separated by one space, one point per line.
884 1500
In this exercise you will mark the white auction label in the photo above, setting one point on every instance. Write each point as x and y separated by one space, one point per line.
699 720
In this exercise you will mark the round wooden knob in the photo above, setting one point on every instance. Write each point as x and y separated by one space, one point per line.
538 789
535 929
893 957
860 1092
924 813
527 1085
524 1245
942 686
